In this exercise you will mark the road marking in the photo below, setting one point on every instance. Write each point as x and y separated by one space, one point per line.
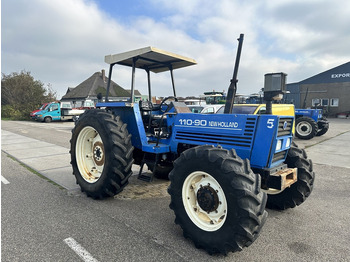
4 180
79 250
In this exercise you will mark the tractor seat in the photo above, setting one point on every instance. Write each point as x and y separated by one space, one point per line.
145 105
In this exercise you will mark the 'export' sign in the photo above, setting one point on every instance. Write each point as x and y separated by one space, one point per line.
340 75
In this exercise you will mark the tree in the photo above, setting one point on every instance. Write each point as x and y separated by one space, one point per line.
21 94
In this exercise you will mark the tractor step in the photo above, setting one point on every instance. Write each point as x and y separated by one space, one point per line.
147 177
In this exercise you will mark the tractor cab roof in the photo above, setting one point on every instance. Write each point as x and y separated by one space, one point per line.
151 58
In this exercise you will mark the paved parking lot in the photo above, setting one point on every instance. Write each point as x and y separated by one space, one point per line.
142 224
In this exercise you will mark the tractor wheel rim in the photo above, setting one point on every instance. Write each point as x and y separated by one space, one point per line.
304 128
204 201
90 154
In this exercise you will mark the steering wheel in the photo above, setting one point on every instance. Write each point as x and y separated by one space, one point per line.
163 102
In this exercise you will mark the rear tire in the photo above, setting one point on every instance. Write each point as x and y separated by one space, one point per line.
297 193
101 154
322 127
216 199
305 128
322 131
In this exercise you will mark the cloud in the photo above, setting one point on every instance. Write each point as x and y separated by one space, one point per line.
63 42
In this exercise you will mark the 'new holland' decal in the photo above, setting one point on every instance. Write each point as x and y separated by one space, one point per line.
203 123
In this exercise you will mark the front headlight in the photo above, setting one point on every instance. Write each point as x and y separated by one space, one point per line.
288 142
279 145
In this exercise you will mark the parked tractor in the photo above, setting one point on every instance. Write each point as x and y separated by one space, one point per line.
223 168
310 123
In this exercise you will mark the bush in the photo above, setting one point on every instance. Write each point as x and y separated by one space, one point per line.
21 94
8 112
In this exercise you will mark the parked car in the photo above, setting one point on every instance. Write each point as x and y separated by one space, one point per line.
195 108
258 109
43 106
212 109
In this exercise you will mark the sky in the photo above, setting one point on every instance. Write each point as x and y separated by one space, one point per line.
63 42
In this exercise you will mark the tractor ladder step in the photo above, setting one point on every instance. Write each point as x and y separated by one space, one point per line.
147 177
148 158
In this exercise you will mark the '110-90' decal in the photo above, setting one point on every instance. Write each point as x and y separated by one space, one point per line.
205 123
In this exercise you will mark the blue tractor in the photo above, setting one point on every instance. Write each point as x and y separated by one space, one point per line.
310 123
223 168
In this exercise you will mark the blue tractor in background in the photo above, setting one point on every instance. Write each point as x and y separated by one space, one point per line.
223 168
310 123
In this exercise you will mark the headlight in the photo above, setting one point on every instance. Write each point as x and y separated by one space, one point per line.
279 145
288 142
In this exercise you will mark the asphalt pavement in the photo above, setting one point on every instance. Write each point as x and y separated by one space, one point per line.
142 229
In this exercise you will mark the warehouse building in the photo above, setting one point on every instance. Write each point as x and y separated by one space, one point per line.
329 89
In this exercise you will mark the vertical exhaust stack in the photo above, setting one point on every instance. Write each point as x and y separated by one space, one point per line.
231 93
103 72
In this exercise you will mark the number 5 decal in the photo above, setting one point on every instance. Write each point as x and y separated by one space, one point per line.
270 123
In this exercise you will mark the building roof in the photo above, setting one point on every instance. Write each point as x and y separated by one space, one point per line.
97 83
337 74
136 92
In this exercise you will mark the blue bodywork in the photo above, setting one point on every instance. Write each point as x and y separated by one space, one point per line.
254 137
315 114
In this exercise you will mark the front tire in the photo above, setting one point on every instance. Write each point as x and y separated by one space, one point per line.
216 199
101 154
47 119
297 193
305 128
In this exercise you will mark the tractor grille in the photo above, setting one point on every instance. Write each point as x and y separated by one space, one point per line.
244 141
285 126
278 156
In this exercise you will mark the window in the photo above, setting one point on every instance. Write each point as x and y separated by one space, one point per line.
334 102
325 102
315 101
54 108
261 111
209 110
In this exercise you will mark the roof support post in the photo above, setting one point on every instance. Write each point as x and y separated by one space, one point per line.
109 80
172 79
132 98
149 85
